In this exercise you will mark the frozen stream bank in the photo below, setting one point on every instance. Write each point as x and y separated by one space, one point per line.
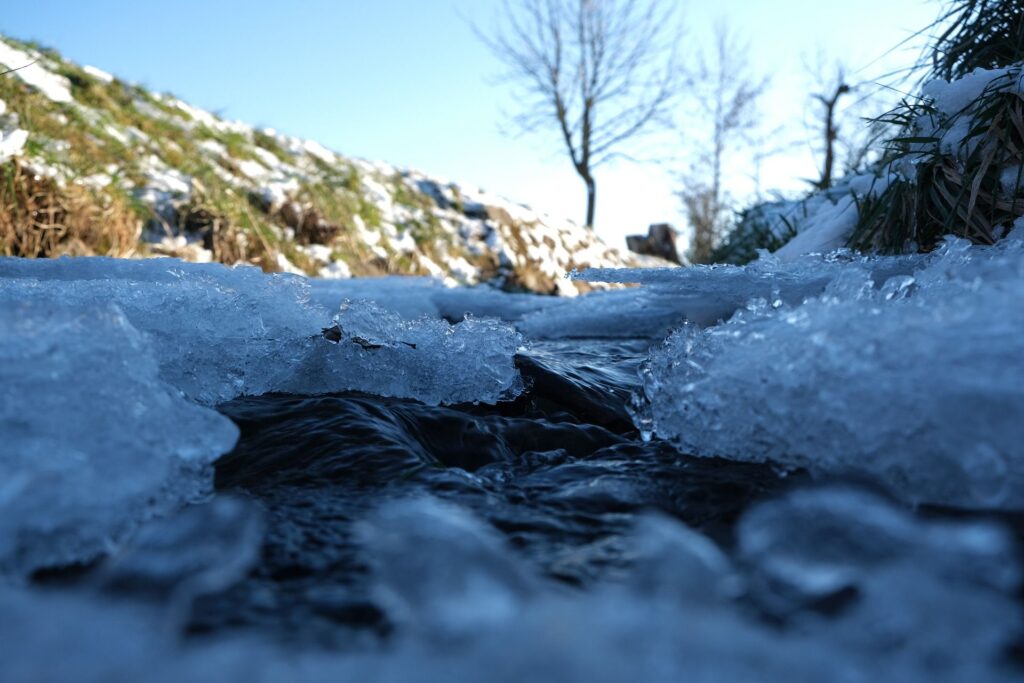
216 474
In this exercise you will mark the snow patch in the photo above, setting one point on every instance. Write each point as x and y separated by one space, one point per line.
53 86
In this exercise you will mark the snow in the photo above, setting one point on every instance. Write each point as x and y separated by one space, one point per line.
320 152
825 230
221 332
12 142
825 220
953 99
902 371
94 441
880 375
98 74
30 70
478 235
253 169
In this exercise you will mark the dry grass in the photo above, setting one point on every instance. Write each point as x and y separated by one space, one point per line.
975 34
958 193
40 218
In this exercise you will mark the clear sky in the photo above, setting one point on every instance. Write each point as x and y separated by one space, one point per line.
406 81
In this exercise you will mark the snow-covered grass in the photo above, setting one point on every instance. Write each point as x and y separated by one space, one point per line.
204 188
954 165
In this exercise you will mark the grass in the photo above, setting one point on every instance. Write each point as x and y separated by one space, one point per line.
974 34
754 231
952 191
87 138
269 143
38 217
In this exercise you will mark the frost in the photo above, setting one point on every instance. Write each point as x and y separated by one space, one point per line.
93 442
912 379
220 332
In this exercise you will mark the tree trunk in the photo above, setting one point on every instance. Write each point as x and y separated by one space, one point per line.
831 134
591 195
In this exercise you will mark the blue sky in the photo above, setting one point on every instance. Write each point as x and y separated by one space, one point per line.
406 81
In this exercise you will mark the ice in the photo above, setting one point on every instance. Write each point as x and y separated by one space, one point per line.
439 569
928 601
929 596
221 332
701 295
410 297
456 302
199 550
378 352
94 442
676 563
915 380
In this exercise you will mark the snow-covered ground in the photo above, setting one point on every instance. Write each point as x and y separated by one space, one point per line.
392 219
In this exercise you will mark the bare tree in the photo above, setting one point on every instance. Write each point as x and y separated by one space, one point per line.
829 100
846 139
726 93
599 72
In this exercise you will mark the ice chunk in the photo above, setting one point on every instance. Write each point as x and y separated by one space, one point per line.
223 332
93 441
373 350
820 541
918 384
462 603
440 569
202 549
933 597
673 560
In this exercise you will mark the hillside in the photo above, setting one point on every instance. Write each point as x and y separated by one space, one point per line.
95 165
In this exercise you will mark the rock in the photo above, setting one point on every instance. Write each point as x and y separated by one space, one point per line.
660 242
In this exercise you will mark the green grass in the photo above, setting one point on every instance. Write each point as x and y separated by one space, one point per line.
237 227
270 144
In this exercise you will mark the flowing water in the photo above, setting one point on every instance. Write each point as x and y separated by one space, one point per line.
560 472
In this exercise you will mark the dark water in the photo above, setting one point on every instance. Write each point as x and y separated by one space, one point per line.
560 472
